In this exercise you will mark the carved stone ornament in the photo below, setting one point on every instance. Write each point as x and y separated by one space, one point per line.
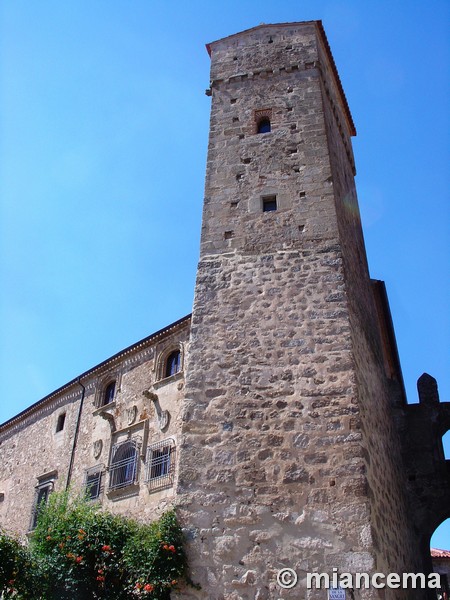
131 414
98 447
163 419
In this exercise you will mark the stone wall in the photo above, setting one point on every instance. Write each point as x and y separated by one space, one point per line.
427 470
287 404
267 317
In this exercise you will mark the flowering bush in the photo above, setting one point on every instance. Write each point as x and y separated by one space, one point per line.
76 540
86 553
20 575
155 558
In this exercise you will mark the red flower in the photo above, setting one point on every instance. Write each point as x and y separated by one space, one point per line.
78 559
148 587
100 571
172 548
166 547
138 585
100 578
173 582
106 548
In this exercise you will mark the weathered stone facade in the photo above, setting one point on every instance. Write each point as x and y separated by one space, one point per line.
35 455
288 422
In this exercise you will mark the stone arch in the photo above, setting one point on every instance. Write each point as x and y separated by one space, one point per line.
440 557
107 388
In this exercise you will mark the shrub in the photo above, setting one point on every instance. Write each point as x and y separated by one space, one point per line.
155 558
79 552
81 547
21 575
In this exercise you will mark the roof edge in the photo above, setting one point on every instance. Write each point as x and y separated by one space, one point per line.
92 370
438 553
334 70
260 26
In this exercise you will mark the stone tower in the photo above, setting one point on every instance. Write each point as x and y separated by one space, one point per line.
290 457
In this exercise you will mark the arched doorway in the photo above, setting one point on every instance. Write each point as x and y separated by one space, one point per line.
440 557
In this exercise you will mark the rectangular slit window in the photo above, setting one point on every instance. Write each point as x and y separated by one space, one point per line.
40 501
269 203
60 423
93 484
43 490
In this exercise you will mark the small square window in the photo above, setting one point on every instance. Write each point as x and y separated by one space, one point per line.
269 203
264 126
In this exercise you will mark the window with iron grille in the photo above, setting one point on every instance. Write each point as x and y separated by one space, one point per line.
123 468
160 464
93 483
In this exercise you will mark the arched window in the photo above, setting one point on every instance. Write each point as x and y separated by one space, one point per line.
264 125
173 363
123 467
108 394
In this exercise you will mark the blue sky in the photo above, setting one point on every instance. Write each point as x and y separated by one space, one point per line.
103 137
